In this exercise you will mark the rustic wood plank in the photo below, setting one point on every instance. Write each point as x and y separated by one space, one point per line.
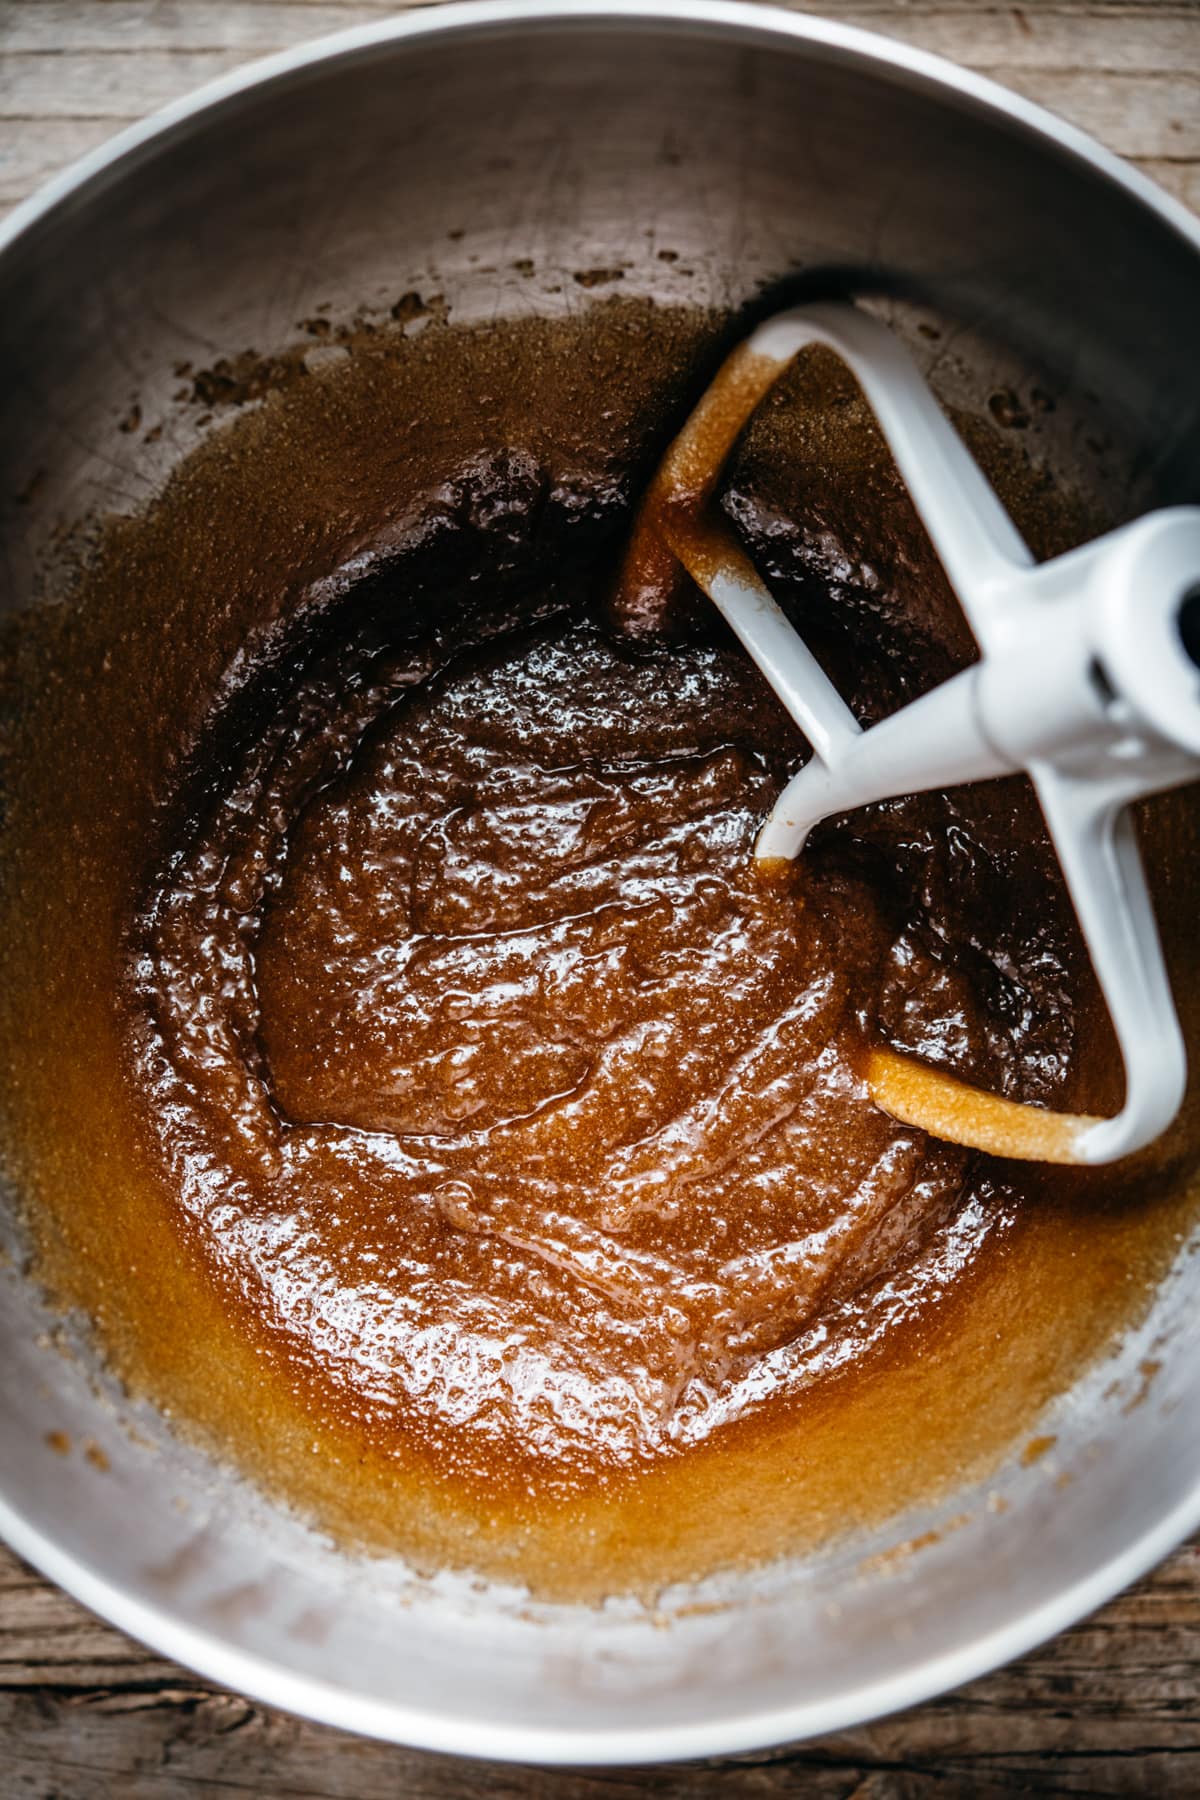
1141 113
1153 115
30 157
1128 71
1180 178
978 31
1110 1708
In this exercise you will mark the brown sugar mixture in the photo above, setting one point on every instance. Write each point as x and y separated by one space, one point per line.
476 1144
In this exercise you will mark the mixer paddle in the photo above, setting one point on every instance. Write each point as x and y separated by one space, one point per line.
1089 681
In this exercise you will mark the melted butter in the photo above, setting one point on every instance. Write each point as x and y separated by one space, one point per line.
412 1074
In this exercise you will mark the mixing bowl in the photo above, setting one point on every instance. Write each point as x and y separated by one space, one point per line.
449 153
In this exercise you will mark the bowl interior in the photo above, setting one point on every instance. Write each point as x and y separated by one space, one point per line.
498 161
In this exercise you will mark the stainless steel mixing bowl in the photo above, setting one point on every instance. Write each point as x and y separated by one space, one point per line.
758 146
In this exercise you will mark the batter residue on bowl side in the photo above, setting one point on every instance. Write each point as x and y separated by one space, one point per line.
431 1102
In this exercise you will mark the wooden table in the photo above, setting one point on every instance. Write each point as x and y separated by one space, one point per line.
1112 1707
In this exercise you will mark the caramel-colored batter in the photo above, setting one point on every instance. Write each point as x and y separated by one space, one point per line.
461 1105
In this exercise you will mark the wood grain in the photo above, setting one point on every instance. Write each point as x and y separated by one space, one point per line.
1111 1707
74 71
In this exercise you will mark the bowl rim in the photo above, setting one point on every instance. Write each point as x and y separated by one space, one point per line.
736 19
324 1701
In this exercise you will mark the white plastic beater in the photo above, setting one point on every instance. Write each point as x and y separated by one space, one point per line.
1088 681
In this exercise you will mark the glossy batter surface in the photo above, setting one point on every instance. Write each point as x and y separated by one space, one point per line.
501 1129
556 1141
